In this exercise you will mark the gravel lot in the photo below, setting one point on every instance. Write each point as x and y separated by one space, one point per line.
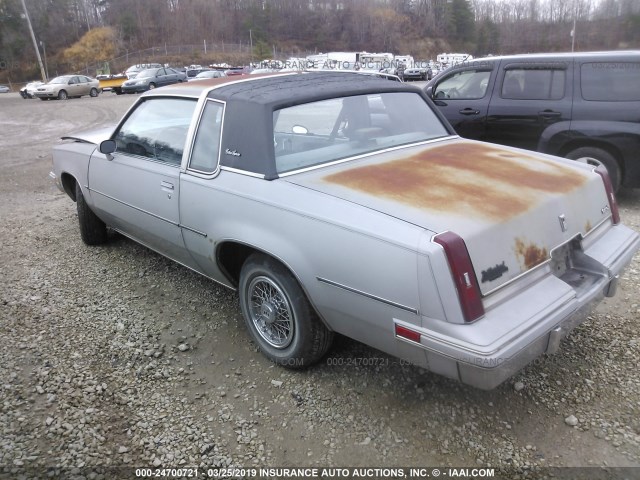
114 357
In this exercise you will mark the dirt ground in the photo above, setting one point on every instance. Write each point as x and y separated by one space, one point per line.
114 356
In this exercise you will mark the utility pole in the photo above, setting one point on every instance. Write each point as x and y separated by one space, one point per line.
35 44
44 52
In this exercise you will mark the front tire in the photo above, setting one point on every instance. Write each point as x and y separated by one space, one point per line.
93 231
93 92
62 95
597 156
152 86
278 315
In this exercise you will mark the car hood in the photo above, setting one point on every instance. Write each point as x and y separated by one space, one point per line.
95 135
505 203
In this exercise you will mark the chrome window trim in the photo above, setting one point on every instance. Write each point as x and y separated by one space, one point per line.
368 154
191 138
242 172
147 159
368 295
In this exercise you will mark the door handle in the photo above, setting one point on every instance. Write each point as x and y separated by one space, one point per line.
168 185
549 114
469 111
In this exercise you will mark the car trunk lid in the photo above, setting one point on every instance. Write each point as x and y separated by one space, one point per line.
511 207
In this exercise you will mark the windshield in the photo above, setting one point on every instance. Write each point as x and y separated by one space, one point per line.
320 132
150 72
60 80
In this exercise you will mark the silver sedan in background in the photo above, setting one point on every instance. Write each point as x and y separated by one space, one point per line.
68 86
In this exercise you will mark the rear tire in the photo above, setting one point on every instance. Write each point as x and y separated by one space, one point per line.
597 156
152 86
62 95
278 315
93 231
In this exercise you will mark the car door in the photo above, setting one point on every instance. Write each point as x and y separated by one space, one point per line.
463 97
529 98
171 76
83 85
73 87
166 76
137 188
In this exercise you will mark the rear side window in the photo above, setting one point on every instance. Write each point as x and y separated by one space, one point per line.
533 84
206 148
610 81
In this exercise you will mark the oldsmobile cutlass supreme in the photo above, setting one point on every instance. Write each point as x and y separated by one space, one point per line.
337 202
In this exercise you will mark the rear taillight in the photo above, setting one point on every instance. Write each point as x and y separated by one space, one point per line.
463 275
611 196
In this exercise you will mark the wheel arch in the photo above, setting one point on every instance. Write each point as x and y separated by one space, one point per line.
596 143
231 254
69 182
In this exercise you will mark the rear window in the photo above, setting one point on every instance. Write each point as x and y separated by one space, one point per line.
533 84
320 132
610 81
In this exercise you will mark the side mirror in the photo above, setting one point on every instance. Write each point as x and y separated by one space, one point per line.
429 91
108 147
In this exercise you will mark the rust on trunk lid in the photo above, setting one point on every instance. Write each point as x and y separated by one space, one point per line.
530 255
470 178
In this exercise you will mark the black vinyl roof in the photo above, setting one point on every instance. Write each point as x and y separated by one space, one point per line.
250 103
291 89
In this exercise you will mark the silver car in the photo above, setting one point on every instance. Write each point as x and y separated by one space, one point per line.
68 86
353 208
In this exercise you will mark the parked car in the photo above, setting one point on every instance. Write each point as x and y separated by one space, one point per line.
209 74
238 71
68 86
29 90
193 72
417 73
4 89
582 106
152 78
133 70
354 208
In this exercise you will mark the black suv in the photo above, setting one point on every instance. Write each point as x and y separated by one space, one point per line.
583 106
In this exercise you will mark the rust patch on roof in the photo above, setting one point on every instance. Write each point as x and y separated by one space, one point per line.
531 255
465 177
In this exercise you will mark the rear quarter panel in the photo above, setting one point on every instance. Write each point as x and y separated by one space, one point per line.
358 267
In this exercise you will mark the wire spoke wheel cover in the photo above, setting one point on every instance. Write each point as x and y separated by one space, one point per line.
271 312
278 314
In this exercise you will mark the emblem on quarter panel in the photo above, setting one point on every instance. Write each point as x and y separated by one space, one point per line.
563 222
232 152
493 273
